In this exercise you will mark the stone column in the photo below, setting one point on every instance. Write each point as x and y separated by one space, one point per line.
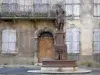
35 50
0 40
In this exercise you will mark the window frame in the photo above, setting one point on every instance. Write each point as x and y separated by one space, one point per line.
72 6
96 15
9 32
98 31
96 55
78 41
74 55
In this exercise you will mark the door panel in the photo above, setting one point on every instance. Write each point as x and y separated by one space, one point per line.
45 47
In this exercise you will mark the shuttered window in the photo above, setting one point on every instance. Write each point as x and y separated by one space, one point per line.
73 43
9 5
96 9
25 5
73 9
8 41
25 2
96 45
73 40
41 6
9 1
41 1
5 1
96 41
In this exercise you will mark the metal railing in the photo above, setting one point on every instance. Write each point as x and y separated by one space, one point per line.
15 10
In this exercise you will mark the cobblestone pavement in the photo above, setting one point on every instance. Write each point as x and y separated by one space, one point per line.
23 71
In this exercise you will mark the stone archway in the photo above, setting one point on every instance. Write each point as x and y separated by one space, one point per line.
45 46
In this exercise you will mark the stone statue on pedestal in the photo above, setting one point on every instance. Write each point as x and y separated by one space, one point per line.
60 47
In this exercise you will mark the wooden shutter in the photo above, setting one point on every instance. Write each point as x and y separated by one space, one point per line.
8 41
96 39
73 40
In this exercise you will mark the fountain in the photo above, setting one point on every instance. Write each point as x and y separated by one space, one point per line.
61 65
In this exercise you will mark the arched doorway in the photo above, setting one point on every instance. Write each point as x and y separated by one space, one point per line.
45 46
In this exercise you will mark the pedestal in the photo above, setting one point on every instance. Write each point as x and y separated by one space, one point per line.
60 46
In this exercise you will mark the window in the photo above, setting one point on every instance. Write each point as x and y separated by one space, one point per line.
25 5
26 2
5 1
9 1
41 6
73 42
96 9
0 5
9 41
96 41
73 9
40 1
5 7
9 5
96 44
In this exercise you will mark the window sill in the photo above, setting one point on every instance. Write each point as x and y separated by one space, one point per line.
9 54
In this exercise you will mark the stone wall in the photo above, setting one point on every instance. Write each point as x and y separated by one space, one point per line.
27 36
86 24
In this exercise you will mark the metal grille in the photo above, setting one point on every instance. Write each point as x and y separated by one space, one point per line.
73 43
73 9
96 44
96 9
26 8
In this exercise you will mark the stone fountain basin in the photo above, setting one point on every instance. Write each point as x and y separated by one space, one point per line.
60 67
63 72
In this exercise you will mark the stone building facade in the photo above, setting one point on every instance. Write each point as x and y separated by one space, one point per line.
26 35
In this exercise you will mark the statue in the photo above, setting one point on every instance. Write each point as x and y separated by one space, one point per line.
60 64
60 47
60 57
60 15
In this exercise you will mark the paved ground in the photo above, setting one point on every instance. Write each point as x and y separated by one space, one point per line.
16 71
96 71
23 71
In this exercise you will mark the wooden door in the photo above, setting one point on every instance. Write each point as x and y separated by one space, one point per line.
45 48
